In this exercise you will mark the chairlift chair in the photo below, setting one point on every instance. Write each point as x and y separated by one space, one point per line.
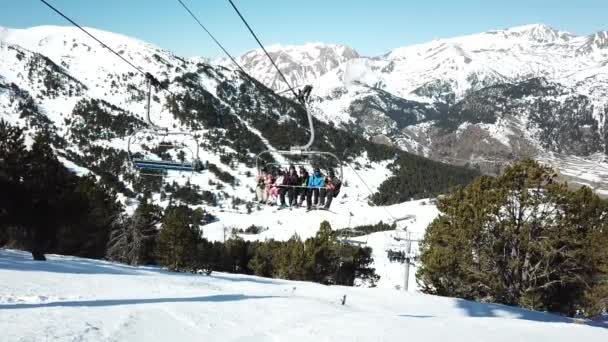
148 166
303 151
160 167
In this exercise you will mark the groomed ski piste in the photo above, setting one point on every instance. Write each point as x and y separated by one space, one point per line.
73 299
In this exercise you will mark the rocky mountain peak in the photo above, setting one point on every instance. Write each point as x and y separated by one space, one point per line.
538 33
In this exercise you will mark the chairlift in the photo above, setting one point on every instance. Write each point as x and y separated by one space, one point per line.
352 242
148 164
348 234
325 161
144 160
404 243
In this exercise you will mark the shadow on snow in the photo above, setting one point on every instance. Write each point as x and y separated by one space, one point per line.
118 302
251 279
473 309
21 261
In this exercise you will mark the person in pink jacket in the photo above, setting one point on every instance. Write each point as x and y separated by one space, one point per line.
268 190
276 187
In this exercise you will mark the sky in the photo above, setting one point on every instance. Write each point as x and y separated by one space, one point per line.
372 27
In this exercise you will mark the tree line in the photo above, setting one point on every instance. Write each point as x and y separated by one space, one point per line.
179 246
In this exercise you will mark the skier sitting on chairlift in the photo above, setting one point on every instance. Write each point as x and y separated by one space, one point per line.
315 182
260 189
276 187
268 182
290 180
331 190
302 190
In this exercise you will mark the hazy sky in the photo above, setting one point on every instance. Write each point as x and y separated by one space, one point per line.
372 27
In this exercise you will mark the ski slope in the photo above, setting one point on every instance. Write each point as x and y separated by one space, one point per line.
73 299
348 212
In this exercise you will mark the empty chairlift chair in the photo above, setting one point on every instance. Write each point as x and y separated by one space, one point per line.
146 160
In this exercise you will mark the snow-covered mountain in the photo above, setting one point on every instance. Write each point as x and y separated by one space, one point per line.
462 63
301 64
486 99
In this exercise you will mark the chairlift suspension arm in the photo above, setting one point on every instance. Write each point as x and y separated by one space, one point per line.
303 96
152 81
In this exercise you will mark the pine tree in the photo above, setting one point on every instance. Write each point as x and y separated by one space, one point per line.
290 259
46 208
13 160
520 239
263 263
237 255
355 264
47 183
96 212
133 239
12 152
322 255
176 246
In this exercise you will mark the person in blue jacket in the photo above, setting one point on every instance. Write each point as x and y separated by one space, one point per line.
316 181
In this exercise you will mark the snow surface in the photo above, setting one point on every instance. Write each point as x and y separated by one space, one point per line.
591 171
73 299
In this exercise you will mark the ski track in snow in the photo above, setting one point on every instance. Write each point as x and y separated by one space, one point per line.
73 299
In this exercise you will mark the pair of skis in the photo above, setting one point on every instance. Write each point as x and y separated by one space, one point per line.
307 210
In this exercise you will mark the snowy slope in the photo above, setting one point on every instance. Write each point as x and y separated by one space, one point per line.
72 299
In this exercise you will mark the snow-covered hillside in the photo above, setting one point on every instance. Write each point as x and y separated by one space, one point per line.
72 299
62 77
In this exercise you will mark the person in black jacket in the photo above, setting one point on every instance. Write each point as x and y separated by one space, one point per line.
290 180
302 186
